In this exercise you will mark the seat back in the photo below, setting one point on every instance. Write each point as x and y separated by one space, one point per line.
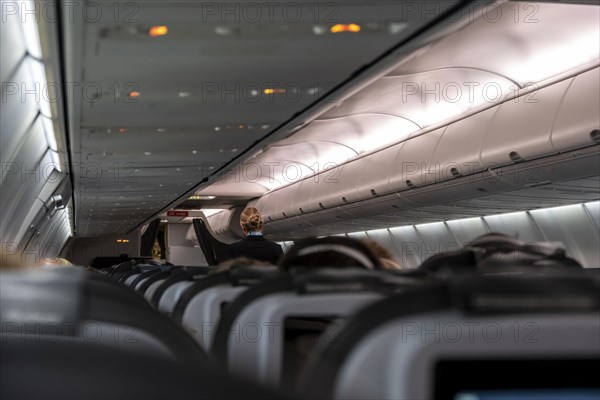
290 313
75 305
203 302
168 292
415 345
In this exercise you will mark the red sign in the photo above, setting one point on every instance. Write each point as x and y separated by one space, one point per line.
177 214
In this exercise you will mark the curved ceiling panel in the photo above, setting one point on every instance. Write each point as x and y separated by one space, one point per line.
361 133
428 98
524 41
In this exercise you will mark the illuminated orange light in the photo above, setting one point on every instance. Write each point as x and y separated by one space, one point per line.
337 28
273 91
134 94
122 240
122 130
156 31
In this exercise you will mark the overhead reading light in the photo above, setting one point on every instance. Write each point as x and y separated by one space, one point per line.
122 240
201 197
159 30
134 94
337 28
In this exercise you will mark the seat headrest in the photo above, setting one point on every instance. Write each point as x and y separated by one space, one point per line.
332 251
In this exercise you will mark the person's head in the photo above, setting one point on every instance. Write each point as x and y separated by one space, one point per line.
57 262
251 220
387 260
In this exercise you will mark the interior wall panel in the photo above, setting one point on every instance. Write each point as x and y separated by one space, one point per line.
29 170
516 225
574 226
467 229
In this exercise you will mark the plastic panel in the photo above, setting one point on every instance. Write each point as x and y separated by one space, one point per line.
13 47
388 363
152 288
338 183
413 161
412 250
385 239
593 208
203 312
465 230
259 356
17 115
461 143
571 225
283 200
516 225
437 238
578 114
171 296
523 125
376 171
33 170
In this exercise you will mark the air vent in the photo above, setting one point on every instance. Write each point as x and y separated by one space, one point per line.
409 183
321 205
515 156
270 219
595 134
454 171
284 214
301 210
345 200
373 192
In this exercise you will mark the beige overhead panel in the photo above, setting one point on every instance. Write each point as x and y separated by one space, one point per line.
373 172
524 41
332 187
521 128
577 123
428 98
412 167
460 145
360 132
225 225
274 204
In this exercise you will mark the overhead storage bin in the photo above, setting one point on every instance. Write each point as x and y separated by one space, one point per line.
412 167
458 152
376 171
521 128
577 123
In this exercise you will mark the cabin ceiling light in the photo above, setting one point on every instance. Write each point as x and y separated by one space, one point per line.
396 27
337 28
159 30
319 30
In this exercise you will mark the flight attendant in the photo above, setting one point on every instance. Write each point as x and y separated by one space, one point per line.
254 245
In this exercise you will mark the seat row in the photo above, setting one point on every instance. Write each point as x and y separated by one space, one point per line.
359 332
